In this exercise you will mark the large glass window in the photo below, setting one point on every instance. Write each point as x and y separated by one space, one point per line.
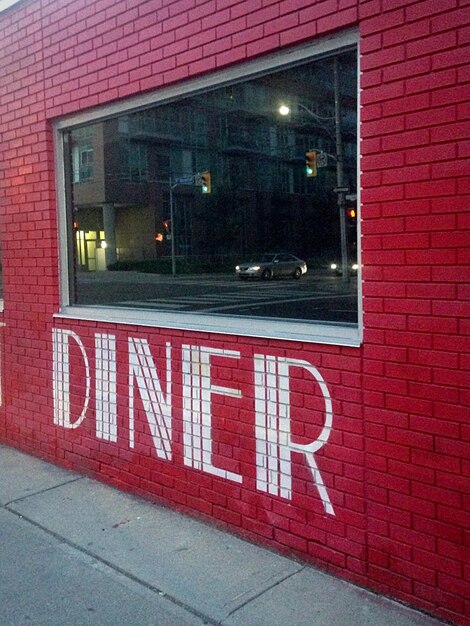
235 202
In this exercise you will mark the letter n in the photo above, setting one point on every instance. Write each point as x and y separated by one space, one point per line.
157 407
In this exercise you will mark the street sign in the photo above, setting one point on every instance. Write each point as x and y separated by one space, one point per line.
322 159
341 189
185 180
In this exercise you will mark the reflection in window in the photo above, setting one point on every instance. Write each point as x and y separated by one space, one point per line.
82 155
136 202
134 162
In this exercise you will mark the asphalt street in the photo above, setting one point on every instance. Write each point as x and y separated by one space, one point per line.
75 552
318 296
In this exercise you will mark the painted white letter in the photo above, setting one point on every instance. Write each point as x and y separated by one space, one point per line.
157 407
106 402
274 443
197 408
61 378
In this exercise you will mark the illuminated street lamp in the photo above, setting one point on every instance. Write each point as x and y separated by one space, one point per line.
284 109
341 190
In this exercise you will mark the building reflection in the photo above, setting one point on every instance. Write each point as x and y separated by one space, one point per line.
122 170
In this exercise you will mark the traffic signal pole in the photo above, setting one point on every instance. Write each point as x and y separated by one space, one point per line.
199 179
172 222
340 189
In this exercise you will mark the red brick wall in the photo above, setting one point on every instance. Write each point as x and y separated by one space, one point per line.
396 464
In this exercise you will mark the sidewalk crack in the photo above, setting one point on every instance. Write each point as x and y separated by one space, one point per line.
40 492
261 593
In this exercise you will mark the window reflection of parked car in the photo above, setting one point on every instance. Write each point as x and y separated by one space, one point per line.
267 266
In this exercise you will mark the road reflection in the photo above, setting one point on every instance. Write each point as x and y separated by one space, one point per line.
316 296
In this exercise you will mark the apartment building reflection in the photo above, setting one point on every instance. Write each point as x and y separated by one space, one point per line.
260 199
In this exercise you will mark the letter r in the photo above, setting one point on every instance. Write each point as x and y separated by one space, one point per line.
274 444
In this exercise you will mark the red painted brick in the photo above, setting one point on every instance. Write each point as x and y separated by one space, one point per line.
430 45
376 22
401 395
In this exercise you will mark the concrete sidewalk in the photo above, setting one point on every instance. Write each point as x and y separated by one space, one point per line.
76 552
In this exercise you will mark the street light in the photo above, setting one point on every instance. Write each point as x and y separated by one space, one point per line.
340 189
284 109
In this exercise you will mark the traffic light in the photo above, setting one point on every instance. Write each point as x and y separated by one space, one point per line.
167 228
311 164
206 182
351 215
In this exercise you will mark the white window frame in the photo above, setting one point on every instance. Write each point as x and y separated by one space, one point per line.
290 330
6 4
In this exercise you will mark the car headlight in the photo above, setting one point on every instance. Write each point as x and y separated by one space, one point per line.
334 266
237 268
355 267
255 268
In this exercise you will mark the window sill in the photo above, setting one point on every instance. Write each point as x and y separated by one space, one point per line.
329 333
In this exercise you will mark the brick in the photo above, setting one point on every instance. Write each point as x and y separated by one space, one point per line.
454 585
430 154
428 8
435 596
437 495
407 69
407 104
413 571
298 33
440 115
413 538
408 32
342 19
450 132
422 474
448 58
443 78
376 21
401 395
430 45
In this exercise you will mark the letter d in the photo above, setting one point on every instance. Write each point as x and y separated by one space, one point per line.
61 378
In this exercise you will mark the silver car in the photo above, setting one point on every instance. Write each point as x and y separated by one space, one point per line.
272 265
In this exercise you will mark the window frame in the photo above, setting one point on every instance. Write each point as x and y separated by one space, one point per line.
312 331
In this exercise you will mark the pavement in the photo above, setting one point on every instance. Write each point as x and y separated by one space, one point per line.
76 552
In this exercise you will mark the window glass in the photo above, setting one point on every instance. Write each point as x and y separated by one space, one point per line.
239 201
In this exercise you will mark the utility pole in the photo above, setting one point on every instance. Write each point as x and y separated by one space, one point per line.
340 189
172 222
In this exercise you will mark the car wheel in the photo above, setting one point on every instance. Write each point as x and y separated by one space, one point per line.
297 273
267 274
